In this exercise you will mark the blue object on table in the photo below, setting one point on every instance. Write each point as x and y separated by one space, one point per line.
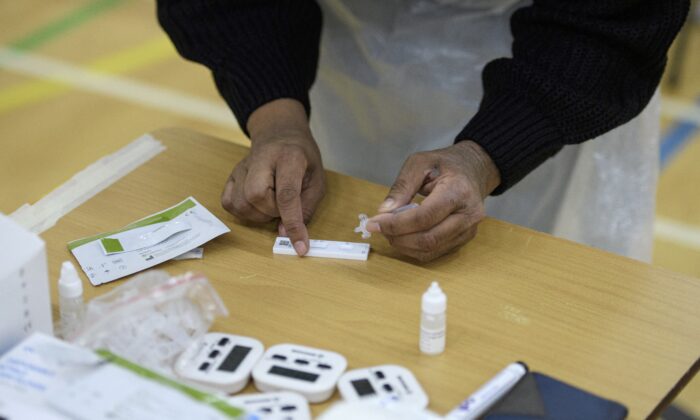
541 397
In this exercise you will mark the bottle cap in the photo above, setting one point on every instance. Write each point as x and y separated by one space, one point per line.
69 284
434 299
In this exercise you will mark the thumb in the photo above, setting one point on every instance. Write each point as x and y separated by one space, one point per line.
406 185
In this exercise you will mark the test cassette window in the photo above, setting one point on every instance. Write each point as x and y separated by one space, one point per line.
363 387
234 359
291 373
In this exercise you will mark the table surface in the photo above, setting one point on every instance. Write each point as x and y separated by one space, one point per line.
613 326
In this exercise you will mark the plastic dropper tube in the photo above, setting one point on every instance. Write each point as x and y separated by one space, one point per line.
70 301
433 320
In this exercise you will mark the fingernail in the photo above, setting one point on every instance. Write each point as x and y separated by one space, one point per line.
387 204
282 231
373 227
300 248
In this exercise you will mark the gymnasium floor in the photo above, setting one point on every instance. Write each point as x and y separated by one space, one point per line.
51 130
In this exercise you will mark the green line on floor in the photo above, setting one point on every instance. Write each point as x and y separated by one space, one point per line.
73 19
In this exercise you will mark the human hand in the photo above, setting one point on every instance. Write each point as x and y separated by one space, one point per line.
456 180
282 176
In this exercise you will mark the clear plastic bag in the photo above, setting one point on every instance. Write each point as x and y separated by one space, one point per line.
152 318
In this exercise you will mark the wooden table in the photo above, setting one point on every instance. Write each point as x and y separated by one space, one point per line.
616 327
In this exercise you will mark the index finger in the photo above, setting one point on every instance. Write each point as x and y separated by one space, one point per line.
439 204
288 181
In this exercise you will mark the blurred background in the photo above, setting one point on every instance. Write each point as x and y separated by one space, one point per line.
120 77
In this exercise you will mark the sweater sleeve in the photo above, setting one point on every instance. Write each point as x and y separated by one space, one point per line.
579 69
257 50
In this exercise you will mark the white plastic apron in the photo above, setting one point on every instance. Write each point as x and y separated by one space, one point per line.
401 76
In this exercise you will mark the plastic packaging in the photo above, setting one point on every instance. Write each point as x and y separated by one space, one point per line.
433 320
152 318
399 77
362 228
71 307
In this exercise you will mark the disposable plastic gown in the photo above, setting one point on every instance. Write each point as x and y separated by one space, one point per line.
397 77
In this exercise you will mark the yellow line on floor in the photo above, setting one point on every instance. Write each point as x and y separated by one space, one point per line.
676 232
134 58
116 86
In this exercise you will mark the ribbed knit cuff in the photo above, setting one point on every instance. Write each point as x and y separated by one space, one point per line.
515 135
244 94
258 51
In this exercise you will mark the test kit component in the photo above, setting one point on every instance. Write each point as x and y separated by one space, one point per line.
383 383
71 306
274 405
324 249
221 362
433 322
362 227
25 306
311 372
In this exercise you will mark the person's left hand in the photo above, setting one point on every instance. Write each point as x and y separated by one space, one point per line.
456 180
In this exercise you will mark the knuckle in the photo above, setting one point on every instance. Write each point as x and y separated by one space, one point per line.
426 218
388 227
477 213
307 213
227 203
456 201
240 208
294 228
255 194
463 189
400 185
286 195
427 242
293 153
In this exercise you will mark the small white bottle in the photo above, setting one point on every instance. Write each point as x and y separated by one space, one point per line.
70 301
432 321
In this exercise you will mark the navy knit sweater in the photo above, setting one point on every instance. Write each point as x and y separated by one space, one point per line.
579 68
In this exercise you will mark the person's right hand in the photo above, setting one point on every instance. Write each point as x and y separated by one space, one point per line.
282 176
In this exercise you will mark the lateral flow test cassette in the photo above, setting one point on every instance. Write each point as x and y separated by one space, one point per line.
220 362
336 249
383 383
324 249
311 372
274 405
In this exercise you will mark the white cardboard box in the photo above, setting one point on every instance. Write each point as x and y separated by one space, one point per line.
25 305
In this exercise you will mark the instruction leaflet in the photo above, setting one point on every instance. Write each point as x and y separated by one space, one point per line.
43 378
